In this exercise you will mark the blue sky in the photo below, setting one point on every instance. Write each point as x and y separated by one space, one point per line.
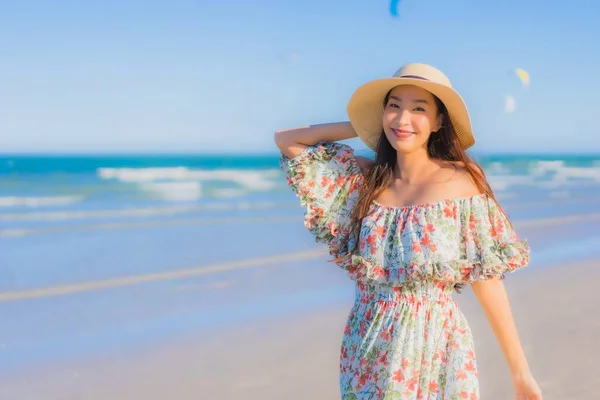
203 76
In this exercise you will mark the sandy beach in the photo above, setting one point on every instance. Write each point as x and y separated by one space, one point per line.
237 301
296 357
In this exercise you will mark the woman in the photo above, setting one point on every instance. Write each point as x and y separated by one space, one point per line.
412 226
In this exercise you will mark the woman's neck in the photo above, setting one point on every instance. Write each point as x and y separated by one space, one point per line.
413 167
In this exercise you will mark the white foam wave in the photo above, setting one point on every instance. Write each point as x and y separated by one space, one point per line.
553 175
252 179
144 174
39 201
543 174
564 172
174 191
147 178
229 192
561 175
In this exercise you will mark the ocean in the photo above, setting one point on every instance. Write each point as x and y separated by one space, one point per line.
84 185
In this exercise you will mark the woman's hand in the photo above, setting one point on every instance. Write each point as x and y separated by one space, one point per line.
526 388
494 300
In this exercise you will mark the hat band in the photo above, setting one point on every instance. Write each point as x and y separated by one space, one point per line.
414 77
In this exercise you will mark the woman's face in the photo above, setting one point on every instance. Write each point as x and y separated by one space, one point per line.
409 118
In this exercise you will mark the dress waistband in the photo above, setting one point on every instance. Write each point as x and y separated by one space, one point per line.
426 291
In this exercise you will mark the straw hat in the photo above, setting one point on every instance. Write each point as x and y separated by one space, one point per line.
365 108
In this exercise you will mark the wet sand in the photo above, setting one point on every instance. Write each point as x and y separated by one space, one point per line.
296 357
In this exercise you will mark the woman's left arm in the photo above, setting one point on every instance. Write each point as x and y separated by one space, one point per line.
494 300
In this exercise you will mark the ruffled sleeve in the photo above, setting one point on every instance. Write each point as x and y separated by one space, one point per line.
490 243
326 177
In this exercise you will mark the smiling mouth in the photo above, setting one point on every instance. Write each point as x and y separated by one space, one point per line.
402 134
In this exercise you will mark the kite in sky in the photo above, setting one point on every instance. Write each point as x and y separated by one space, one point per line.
394 7
509 104
523 76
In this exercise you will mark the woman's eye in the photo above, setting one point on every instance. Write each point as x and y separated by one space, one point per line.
419 109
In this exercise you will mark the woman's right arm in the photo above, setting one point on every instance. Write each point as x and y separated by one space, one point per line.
325 177
292 142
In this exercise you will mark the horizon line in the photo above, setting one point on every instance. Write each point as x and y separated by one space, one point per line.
261 153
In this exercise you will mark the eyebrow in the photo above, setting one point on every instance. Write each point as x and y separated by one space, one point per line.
416 101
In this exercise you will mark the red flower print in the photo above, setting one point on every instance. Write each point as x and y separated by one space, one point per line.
405 363
461 375
330 190
413 381
450 212
433 387
470 366
379 231
334 229
371 239
379 272
428 228
397 376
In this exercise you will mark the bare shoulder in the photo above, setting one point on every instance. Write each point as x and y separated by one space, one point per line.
463 182
364 163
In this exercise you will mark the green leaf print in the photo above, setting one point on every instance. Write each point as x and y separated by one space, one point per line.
395 395
371 356
442 382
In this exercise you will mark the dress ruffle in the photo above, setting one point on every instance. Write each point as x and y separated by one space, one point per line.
506 258
461 240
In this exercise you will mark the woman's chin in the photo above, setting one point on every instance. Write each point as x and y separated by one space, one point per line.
405 146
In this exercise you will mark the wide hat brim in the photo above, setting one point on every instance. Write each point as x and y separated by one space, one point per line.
365 108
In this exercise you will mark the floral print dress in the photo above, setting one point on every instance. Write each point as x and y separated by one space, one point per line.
405 336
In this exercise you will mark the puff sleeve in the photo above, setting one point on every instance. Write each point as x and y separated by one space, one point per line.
326 177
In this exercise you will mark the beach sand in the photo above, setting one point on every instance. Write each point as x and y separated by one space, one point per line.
296 357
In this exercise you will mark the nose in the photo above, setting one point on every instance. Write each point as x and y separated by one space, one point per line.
403 117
